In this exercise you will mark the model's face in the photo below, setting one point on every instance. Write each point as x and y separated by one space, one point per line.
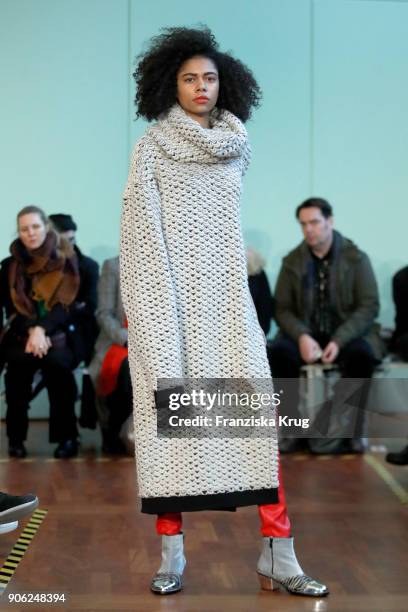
317 230
198 87
32 230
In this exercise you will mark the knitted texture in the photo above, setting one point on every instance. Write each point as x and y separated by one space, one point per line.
185 291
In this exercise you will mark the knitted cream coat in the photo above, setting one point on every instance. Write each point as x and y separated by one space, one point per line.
190 314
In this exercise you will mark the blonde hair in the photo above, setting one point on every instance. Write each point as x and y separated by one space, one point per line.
27 210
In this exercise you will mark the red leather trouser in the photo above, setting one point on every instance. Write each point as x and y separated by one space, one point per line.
274 518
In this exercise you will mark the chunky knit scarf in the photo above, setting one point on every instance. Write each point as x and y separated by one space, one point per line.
48 274
184 139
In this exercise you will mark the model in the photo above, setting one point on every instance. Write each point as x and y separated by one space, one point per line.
185 291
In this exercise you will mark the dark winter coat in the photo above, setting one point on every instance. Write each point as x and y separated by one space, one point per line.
353 289
86 302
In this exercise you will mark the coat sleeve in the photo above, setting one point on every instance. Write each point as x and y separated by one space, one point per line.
262 298
57 318
89 274
108 291
246 158
146 278
285 307
3 293
367 304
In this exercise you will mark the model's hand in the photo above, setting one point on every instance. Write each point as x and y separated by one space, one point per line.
331 352
310 350
38 343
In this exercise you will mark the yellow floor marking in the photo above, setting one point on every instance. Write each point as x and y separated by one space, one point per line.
19 549
389 480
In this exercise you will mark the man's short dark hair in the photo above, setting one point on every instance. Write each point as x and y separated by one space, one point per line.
319 203
63 222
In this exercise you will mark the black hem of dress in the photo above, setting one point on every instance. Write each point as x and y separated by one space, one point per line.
217 501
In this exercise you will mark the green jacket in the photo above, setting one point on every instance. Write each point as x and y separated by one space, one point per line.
354 293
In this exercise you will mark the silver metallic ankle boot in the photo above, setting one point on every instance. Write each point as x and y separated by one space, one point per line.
168 578
278 566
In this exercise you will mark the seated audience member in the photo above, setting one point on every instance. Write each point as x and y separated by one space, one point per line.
86 301
260 290
39 284
399 341
109 368
326 301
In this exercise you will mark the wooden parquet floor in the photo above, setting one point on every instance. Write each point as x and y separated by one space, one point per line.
350 527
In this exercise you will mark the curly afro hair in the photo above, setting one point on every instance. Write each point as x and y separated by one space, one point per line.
156 73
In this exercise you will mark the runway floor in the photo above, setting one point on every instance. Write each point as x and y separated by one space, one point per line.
93 545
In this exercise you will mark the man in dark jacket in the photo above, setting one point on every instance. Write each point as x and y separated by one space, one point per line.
326 301
86 301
